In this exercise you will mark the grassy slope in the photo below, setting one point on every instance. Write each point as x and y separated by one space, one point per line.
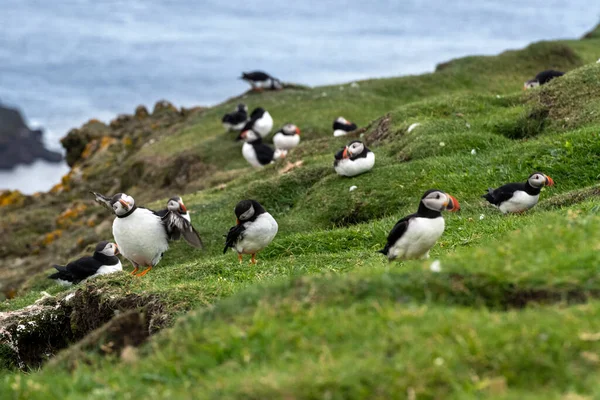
323 315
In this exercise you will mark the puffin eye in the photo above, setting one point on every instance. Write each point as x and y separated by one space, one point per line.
437 197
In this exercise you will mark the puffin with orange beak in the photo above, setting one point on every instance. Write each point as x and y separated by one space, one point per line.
257 153
103 261
341 127
142 235
177 219
518 197
354 159
287 137
414 235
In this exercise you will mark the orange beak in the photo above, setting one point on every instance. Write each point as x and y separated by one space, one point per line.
454 205
297 131
117 250
182 207
345 153
237 221
549 181
124 204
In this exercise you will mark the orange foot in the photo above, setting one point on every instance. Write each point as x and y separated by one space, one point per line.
240 257
144 272
135 270
253 260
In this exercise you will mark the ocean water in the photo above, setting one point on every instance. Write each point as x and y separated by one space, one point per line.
64 62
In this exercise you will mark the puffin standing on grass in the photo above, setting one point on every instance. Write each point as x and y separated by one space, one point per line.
254 230
256 152
142 234
103 261
341 127
260 122
414 235
287 137
236 120
542 78
518 197
354 159
261 80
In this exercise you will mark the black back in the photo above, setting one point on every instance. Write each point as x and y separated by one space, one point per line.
257 76
264 153
345 127
83 268
546 76
257 113
235 117
505 192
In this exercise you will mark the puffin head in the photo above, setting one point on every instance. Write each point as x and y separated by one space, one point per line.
246 209
248 136
342 120
538 180
122 203
242 108
531 84
107 248
176 204
353 148
437 200
290 129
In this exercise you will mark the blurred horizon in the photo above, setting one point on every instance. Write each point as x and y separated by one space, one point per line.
64 63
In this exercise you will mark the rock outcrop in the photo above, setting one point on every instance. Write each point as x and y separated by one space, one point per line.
18 143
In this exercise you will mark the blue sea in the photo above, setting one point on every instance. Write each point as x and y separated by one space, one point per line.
64 62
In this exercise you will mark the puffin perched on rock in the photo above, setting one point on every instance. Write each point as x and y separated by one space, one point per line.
236 120
518 197
260 122
261 81
254 230
103 261
287 137
256 152
177 219
341 127
542 78
142 234
414 235
354 159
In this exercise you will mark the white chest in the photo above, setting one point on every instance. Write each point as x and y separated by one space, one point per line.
109 269
141 237
339 132
348 167
420 236
520 201
285 142
264 124
258 234
250 155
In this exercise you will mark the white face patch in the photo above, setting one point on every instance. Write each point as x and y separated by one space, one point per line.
436 201
248 214
356 148
537 180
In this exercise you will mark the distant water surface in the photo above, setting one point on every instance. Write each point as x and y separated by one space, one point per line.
63 62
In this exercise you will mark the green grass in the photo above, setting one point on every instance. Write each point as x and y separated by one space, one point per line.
514 312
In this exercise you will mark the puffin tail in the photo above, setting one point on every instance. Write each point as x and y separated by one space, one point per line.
489 196
383 251
61 274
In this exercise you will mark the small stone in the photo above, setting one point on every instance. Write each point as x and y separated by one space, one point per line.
436 266
439 361
442 144
353 188
413 126
481 217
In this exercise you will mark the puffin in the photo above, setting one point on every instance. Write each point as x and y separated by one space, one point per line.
341 127
414 235
235 121
287 137
260 80
542 78
256 152
518 197
354 159
142 234
260 122
254 230
178 221
103 261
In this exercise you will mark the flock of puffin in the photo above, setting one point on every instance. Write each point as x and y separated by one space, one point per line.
142 235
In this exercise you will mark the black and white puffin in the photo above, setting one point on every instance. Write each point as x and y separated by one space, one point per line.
103 261
287 137
177 216
260 122
414 235
354 159
142 234
518 197
236 120
341 127
255 229
256 152
542 78
261 80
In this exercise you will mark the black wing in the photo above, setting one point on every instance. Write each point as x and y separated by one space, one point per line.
256 76
83 268
161 213
338 157
546 76
178 226
503 193
264 153
235 233
103 201
396 233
